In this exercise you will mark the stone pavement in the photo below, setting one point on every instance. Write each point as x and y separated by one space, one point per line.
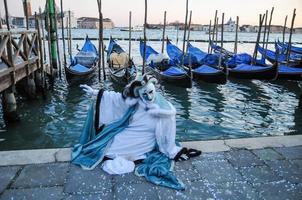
238 173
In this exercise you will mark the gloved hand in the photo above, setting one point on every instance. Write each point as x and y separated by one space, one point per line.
89 90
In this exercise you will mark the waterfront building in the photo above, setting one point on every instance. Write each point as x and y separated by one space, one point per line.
93 23
248 28
18 22
298 30
278 29
73 20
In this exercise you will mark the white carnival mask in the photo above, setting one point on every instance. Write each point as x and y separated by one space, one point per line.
147 93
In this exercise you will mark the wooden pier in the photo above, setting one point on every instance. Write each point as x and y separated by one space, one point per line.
20 57
21 60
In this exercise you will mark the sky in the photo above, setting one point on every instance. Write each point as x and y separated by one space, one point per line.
202 11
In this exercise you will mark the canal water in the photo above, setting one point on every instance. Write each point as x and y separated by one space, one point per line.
238 109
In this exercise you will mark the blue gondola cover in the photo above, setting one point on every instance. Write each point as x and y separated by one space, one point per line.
79 68
286 69
205 69
174 71
246 67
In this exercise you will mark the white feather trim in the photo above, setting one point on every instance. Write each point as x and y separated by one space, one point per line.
156 111
131 101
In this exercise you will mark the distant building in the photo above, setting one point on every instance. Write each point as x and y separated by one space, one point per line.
298 30
155 26
73 20
108 23
277 29
247 28
93 23
177 25
18 22
196 27
230 26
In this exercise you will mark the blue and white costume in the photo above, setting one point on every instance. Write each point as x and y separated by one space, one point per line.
138 124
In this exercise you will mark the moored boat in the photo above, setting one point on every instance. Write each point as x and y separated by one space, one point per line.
84 62
122 70
165 70
204 66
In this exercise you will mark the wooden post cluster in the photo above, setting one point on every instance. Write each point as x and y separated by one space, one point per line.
189 31
261 19
145 37
210 27
185 32
284 29
63 34
130 31
101 63
290 35
236 35
164 31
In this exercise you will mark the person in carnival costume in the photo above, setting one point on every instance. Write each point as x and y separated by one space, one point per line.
132 131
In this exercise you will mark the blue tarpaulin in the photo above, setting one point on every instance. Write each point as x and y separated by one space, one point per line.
149 50
205 69
286 69
238 59
294 49
246 67
176 54
174 71
88 46
113 46
79 68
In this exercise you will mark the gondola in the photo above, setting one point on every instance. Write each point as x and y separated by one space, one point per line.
232 59
241 67
122 70
286 71
289 73
164 69
294 59
259 72
84 62
204 66
293 49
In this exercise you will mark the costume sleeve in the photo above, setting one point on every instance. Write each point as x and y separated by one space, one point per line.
165 135
112 107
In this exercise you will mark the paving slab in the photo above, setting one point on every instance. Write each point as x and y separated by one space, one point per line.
259 174
127 178
279 191
265 142
196 190
186 175
42 175
268 154
218 171
107 196
26 157
211 156
81 181
243 158
63 155
289 171
233 191
291 152
255 143
52 193
207 146
136 191
7 175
